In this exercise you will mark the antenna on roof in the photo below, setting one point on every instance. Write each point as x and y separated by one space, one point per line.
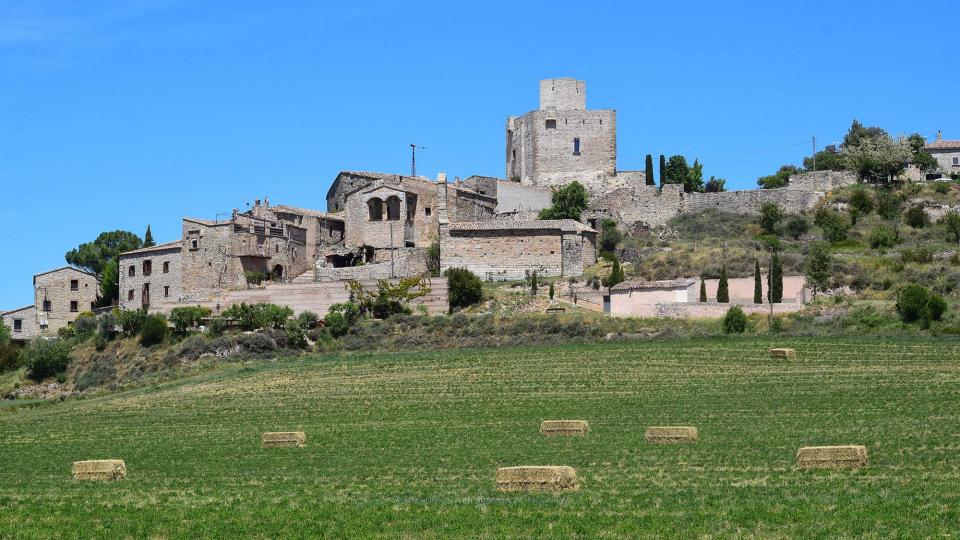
413 158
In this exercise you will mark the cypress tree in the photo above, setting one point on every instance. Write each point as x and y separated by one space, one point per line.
148 238
723 289
649 171
703 290
776 279
757 283
663 168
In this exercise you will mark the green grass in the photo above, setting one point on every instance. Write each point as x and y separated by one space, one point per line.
406 445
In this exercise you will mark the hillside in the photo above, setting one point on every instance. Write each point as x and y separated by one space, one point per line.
406 444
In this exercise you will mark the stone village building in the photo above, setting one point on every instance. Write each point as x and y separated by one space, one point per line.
947 154
60 296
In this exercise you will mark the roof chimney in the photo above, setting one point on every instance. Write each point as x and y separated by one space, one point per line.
939 135
441 178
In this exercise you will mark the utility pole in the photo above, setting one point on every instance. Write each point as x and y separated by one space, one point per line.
413 158
814 154
392 273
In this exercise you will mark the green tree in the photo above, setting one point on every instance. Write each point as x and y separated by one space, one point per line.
778 179
861 200
882 237
703 290
616 275
826 161
715 185
858 133
735 321
775 280
770 215
433 258
919 157
797 226
551 291
94 256
148 238
463 288
663 170
694 181
154 330
110 283
723 289
610 236
757 283
677 171
835 226
534 283
45 358
878 159
648 171
819 266
951 221
567 202
916 217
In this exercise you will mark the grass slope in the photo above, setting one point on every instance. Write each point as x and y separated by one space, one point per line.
405 445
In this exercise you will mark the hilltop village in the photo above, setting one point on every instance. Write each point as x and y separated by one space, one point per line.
381 225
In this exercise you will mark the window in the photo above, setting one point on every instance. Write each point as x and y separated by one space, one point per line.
18 325
551 124
74 284
73 306
46 305
166 267
514 153
276 248
130 295
956 162
132 270
193 244
375 205
147 267
393 208
426 211
576 146
166 291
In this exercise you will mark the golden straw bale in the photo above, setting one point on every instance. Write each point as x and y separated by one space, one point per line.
100 469
537 478
783 353
284 439
564 427
670 434
832 457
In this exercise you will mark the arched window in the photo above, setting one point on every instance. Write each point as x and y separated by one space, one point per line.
393 208
376 209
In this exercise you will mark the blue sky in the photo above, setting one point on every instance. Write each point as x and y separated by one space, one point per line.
116 114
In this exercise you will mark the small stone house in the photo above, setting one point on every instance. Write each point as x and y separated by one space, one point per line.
639 298
500 250
947 154
22 323
150 277
392 212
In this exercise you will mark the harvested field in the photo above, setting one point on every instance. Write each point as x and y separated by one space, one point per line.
564 427
537 478
670 434
99 469
284 439
783 354
832 457
407 445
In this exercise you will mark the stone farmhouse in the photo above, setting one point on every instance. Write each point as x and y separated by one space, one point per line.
947 154
60 296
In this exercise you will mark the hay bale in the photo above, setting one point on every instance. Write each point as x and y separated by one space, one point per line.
99 469
284 439
783 353
537 478
564 427
670 434
832 457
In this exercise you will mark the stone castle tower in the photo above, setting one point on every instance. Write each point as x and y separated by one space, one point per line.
563 141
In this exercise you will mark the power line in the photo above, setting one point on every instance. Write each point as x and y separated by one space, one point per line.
747 153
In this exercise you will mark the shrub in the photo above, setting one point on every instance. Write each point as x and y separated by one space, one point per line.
937 306
916 303
276 316
797 226
920 255
296 332
723 291
217 326
131 321
45 358
336 323
349 310
308 319
941 187
256 343
834 225
85 325
464 288
735 321
916 217
67 332
254 278
551 291
154 330
433 258
883 236
107 325
187 317
862 201
888 204
770 215
951 221
100 373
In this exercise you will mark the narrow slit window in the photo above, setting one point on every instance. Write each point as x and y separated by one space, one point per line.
576 146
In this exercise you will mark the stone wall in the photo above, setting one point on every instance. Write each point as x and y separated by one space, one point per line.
469 205
945 159
514 197
407 262
503 254
749 201
707 310
741 289
61 295
821 181
163 281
